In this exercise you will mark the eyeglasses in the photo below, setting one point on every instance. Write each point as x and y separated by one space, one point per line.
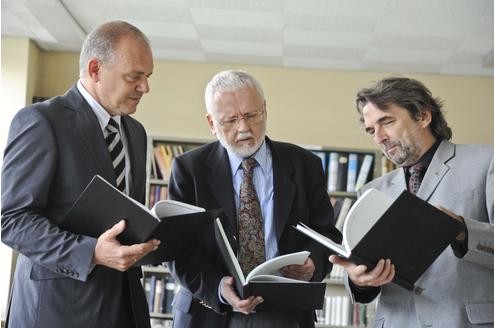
249 118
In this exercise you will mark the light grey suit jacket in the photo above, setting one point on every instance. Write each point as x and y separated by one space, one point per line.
54 149
454 292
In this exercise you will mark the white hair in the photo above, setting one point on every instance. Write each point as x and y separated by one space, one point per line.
230 80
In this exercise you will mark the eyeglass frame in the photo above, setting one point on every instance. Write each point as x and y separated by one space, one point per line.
236 120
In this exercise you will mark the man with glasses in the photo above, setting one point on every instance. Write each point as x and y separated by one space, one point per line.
264 187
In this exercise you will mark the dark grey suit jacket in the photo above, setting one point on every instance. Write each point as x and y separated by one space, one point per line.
203 177
54 149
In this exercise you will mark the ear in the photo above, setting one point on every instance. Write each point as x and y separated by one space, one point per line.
209 119
94 67
425 118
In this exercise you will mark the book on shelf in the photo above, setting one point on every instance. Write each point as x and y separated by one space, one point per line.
407 230
333 171
279 293
342 172
352 167
159 291
364 171
100 206
345 206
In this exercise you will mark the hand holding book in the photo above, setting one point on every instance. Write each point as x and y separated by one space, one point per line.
111 253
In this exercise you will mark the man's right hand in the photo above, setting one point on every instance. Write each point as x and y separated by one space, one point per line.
228 293
381 274
111 253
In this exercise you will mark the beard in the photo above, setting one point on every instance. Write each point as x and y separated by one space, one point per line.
403 154
245 150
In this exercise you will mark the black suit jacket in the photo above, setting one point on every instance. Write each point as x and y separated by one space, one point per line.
203 177
54 149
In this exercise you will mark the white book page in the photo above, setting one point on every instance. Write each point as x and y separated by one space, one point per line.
272 266
237 267
325 241
164 208
272 278
363 215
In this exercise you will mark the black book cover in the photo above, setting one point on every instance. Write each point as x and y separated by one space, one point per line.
277 295
100 206
408 230
412 234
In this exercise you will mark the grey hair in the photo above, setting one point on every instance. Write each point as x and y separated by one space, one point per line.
102 42
230 80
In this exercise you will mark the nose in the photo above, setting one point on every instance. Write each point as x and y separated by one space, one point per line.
242 125
380 136
143 86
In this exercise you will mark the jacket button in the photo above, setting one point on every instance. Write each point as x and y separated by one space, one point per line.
418 290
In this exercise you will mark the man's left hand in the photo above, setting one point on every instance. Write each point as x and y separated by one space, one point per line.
299 272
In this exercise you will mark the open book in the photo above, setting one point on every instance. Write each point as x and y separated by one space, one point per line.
100 206
277 291
407 230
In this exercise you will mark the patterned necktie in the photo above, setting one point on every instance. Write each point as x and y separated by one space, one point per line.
417 172
251 235
116 149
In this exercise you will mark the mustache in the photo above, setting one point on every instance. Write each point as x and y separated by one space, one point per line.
389 144
244 135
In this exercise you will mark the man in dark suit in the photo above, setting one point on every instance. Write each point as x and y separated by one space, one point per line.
54 149
290 187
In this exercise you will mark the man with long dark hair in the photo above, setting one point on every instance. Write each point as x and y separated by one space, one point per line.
407 122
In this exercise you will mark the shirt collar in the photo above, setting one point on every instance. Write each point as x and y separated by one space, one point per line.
425 160
101 114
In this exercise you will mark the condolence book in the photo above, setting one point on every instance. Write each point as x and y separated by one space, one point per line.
408 230
279 293
100 206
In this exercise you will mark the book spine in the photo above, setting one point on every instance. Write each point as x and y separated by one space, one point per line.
333 167
346 205
364 171
342 172
352 172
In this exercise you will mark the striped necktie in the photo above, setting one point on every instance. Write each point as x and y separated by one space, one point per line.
116 149
251 235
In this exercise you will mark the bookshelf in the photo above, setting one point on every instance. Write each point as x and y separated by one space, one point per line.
158 284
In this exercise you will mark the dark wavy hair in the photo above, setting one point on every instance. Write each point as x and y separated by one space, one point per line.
409 94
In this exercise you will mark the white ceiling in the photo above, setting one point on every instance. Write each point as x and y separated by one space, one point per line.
401 36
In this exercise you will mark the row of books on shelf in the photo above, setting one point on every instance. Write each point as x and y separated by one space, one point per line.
337 274
160 290
163 154
157 192
339 311
348 171
160 323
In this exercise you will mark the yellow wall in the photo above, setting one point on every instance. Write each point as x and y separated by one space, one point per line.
311 107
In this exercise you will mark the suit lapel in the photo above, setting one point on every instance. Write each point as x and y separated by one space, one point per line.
284 188
86 125
436 170
132 138
220 183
